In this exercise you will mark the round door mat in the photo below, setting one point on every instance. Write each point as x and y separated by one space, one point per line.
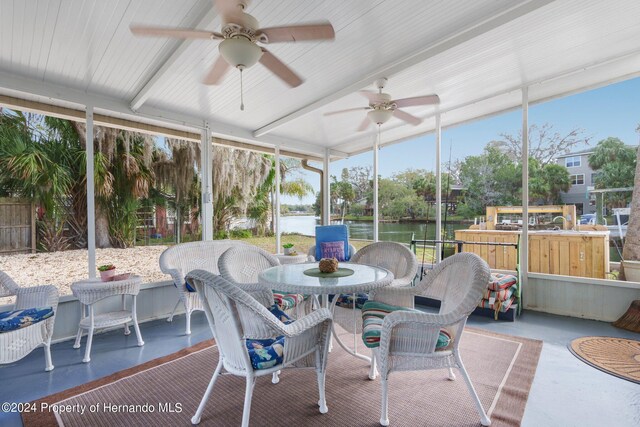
615 356
341 272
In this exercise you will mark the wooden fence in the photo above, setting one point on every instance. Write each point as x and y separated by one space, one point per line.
567 253
17 226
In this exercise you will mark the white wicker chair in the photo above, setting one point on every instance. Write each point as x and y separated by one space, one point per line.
311 253
242 265
408 338
390 255
16 344
180 259
234 317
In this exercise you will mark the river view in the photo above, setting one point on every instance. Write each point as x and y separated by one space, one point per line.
389 231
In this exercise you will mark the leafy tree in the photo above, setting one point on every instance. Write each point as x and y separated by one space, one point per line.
615 164
545 144
547 182
490 179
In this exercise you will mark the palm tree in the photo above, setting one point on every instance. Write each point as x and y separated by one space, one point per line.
631 250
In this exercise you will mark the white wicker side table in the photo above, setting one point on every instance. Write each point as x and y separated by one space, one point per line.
291 259
91 291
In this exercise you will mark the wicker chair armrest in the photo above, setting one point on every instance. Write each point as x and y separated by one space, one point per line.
400 296
37 296
307 322
178 278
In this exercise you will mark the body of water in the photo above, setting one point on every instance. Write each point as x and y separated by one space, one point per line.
388 231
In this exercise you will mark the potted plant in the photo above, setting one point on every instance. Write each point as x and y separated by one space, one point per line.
288 249
107 272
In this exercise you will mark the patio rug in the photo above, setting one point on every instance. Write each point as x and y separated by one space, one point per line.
501 367
615 356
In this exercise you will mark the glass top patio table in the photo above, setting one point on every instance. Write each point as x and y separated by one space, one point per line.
291 278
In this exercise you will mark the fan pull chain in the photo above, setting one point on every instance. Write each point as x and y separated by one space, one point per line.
241 91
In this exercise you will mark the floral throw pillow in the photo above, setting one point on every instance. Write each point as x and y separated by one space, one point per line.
333 250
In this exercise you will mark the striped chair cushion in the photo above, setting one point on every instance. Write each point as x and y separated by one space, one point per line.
373 314
17 319
287 301
501 295
501 281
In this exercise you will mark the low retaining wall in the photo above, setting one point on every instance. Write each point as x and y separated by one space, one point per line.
582 297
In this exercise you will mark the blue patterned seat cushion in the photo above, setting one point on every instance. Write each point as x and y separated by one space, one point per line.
265 354
16 319
373 314
346 300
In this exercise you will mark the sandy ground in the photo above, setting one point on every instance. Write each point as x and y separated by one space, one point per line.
64 268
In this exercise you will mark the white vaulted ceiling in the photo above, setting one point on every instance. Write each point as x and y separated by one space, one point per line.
476 55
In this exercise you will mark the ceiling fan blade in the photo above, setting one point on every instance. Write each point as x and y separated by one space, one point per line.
217 72
181 33
365 124
418 100
409 118
279 68
348 110
296 33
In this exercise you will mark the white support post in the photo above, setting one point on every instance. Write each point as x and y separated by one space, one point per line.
91 204
376 148
438 246
326 188
277 207
524 240
206 176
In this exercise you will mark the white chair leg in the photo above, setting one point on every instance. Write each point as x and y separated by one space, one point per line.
188 328
452 376
47 356
484 419
127 331
384 413
322 402
196 418
275 378
246 411
373 370
175 307
78 339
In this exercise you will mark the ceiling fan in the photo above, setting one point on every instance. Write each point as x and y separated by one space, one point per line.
382 107
240 35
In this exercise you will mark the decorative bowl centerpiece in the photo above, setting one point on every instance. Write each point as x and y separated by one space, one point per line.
107 271
328 265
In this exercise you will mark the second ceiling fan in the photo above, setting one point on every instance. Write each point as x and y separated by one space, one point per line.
239 36
382 107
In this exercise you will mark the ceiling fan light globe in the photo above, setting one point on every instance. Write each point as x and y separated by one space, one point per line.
379 116
240 52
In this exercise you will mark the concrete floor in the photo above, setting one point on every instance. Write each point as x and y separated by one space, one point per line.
565 392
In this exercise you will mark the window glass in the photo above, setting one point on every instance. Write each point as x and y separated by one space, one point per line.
573 161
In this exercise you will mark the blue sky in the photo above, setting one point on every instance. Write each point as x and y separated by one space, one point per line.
613 110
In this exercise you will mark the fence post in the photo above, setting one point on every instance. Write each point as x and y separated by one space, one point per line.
33 228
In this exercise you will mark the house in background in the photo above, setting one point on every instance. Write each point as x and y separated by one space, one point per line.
582 181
